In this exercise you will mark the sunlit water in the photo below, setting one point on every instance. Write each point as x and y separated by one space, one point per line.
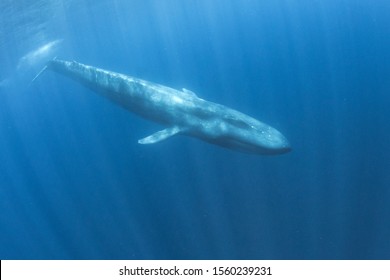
75 184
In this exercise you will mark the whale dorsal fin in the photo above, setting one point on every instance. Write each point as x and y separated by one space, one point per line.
160 135
187 91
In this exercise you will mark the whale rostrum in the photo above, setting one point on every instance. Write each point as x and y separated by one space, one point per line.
180 111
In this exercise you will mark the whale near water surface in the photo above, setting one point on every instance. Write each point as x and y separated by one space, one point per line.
181 112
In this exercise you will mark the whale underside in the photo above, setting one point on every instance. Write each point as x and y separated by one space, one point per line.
180 111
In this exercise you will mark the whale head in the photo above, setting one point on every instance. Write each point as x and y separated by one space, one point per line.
240 132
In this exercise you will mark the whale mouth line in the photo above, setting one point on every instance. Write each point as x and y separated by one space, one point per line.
253 148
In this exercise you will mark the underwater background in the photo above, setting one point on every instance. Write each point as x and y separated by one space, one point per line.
75 184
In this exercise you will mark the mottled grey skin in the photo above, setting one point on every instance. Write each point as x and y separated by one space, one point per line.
181 111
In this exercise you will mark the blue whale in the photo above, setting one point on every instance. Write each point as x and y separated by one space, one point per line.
180 111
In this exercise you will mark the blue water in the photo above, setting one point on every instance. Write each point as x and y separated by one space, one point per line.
75 184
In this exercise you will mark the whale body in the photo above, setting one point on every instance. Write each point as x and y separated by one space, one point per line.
180 111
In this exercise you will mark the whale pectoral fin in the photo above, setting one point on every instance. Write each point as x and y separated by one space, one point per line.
160 135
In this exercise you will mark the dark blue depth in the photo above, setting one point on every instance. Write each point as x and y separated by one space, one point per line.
75 184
